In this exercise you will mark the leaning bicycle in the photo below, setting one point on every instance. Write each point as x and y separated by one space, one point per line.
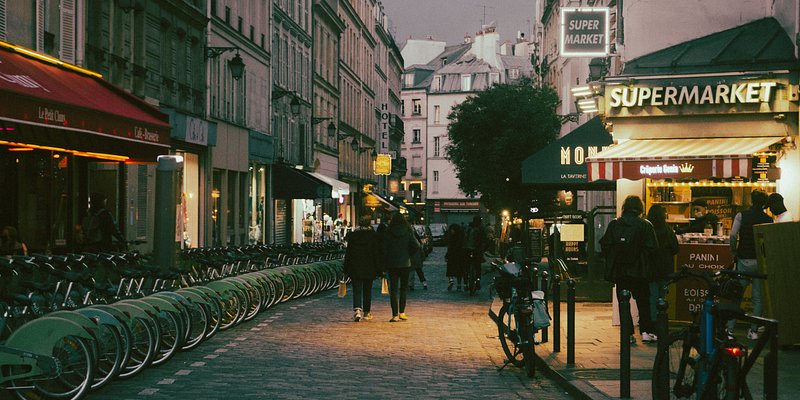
515 321
704 360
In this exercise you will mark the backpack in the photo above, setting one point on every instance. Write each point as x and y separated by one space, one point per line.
627 251
91 227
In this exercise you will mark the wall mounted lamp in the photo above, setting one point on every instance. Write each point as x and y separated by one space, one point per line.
235 64
294 105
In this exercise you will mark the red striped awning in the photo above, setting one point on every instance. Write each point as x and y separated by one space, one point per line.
678 158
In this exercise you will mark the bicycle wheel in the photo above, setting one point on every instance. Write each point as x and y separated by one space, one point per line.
109 355
526 334
680 358
509 339
143 343
171 336
77 368
723 381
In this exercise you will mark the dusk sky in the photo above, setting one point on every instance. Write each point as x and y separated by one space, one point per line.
449 20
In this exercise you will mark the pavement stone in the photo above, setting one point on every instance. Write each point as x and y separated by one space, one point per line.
310 348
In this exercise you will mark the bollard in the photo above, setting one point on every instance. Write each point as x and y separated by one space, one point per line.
571 322
545 336
662 330
625 332
556 313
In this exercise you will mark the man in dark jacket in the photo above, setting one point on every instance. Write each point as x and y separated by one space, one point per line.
399 244
98 227
628 244
475 243
743 246
361 265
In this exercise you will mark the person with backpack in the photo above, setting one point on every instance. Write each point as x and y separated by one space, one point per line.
98 226
362 265
628 245
475 242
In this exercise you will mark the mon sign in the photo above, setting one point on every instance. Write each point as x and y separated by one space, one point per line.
584 32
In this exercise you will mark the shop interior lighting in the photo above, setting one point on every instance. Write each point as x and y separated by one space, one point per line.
110 157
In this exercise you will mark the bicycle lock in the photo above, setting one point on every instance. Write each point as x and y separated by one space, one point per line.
662 330
625 332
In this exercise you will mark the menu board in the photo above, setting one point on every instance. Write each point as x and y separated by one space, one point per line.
697 257
536 242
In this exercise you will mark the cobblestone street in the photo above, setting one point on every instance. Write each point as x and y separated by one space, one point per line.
310 348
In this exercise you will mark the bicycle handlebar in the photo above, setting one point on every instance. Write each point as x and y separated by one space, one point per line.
708 277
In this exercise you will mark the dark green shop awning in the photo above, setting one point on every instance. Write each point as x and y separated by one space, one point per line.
562 163
292 183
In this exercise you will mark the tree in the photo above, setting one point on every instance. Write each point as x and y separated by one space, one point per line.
491 133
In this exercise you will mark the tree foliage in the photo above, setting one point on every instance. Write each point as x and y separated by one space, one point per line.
491 133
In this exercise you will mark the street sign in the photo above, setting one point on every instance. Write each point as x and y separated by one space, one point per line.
383 164
584 32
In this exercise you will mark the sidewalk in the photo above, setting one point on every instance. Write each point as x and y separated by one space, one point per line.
595 374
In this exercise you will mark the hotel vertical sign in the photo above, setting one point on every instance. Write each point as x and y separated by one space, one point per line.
584 32
383 129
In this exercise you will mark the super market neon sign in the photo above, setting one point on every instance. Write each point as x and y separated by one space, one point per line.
741 93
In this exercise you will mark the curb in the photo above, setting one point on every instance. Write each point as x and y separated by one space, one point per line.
578 389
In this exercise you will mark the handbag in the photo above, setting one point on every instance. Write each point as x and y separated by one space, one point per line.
384 286
342 288
541 317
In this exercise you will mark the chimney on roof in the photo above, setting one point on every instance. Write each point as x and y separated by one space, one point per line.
520 36
467 38
429 37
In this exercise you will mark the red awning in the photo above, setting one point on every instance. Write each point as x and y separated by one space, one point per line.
678 158
87 113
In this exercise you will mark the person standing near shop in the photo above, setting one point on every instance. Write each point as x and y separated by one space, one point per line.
702 219
664 261
475 242
362 265
10 244
98 227
629 245
743 247
399 244
778 210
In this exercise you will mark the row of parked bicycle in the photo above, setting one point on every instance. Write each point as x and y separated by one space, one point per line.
73 323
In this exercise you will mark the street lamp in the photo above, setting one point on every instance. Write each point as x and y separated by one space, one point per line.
235 64
598 68
294 105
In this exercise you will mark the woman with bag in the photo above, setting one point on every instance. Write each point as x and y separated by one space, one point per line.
361 264
664 260
399 244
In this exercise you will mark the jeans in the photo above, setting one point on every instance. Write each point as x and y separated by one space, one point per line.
657 291
751 265
398 289
362 294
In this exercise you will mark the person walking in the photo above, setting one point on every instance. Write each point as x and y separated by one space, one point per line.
10 245
399 244
628 245
743 247
416 265
475 242
98 226
455 256
778 209
664 260
362 265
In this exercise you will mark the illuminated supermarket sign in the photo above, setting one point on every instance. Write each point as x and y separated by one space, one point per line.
584 32
651 96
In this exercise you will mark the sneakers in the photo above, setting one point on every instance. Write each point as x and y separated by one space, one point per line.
450 286
425 285
403 316
358 316
729 334
368 317
649 337
633 339
395 319
751 334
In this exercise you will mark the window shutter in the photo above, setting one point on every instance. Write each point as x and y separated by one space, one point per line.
3 28
67 50
40 14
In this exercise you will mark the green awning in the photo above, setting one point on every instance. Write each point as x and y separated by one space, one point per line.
292 183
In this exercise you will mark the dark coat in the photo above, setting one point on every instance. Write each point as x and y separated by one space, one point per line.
456 255
399 243
646 241
361 260
664 260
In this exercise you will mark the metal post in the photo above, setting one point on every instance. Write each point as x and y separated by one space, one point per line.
626 330
571 322
771 364
556 313
544 287
662 330
167 201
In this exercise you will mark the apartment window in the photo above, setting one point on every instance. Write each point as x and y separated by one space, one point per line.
417 107
402 107
252 33
417 135
436 142
239 24
435 181
494 78
436 114
466 83
227 15
408 79
513 73
263 41
437 83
